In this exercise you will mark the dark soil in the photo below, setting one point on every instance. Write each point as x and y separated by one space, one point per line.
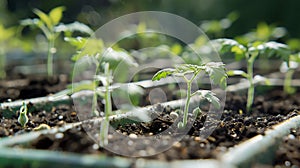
25 87
288 154
235 126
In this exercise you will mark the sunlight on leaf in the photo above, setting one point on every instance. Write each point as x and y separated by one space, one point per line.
56 14
44 17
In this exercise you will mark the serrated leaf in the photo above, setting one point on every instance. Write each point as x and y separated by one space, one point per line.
163 73
217 73
44 17
209 96
56 14
187 68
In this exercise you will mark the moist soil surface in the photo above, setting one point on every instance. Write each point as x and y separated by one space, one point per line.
25 87
288 153
234 127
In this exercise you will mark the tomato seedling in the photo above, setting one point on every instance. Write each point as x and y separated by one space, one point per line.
51 27
216 72
23 119
250 53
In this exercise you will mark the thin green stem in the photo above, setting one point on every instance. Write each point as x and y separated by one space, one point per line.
187 103
288 81
108 109
250 97
51 51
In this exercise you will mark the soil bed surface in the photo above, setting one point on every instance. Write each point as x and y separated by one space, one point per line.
234 127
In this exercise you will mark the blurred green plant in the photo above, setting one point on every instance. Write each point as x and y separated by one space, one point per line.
216 28
216 72
263 32
289 70
106 80
250 53
6 35
51 27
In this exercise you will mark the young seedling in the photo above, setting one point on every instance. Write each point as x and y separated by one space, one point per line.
106 80
250 54
23 119
289 70
50 26
216 72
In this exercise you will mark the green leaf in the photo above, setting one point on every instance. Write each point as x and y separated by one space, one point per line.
115 57
237 72
217 73
44 17
163 73
83 85
274 49
209 96
197 111
232 46
78 42
188 68
176 49
75 26
30 22
295 57
92 47
56 14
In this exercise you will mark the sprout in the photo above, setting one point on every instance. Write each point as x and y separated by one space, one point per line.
250 54
216 72
23 119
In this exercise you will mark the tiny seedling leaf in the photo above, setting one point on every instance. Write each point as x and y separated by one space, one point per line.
56 14
209 96
237 72
273 49
115 57
44 17
78 42
163 73
197 111
217 73
232 46
75 26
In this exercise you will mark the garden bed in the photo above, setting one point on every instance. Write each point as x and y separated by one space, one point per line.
236 126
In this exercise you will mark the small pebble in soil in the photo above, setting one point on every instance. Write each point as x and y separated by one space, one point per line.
95 146
130 143
287 163
59 135
291 136
133 136
60 117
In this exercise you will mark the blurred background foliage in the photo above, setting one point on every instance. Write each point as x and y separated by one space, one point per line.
97 12
241 20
